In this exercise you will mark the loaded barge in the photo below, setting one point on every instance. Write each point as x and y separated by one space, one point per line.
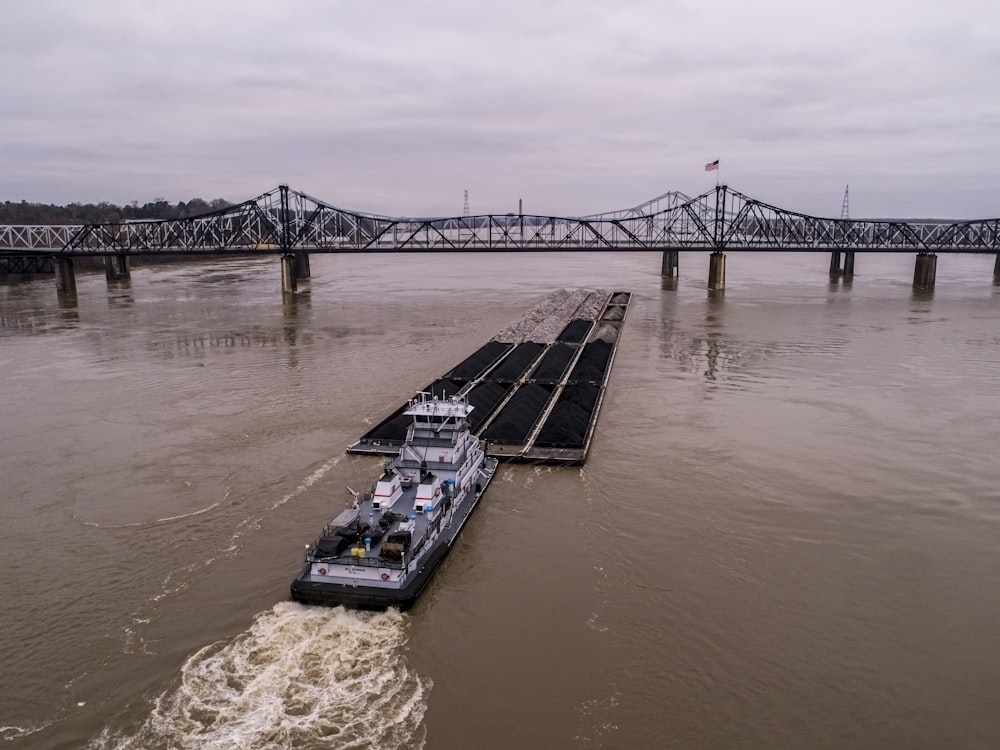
383 550
537 394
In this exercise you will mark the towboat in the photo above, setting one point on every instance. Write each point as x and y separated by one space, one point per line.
382 551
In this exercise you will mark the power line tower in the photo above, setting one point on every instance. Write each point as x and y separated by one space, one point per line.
465 209
845 211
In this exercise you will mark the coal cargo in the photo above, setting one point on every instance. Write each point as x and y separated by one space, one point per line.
516 363
569 419
392 429
575 331
389 430
475 365
593 362
553 363
515 421
485 397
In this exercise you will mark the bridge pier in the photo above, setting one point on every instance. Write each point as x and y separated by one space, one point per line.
116 267
65 276
847 269
717 271
302 266
289 280
669 267
848 263
925 271
996 269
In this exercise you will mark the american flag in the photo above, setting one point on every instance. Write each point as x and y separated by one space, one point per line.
712 166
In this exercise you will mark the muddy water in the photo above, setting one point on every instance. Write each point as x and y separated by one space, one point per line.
785 534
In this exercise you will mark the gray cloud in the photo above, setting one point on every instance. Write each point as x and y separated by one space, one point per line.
576 107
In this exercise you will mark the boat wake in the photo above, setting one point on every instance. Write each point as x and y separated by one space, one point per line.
309 481
139 524
11 732
213 506
177 581
298 677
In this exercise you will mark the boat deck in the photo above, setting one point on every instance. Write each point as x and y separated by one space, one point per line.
356 555
535 401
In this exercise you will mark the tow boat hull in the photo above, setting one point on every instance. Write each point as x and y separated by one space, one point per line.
364 596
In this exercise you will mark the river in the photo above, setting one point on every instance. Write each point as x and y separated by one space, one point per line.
786 533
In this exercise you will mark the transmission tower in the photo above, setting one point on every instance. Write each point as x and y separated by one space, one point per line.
845 211
465 210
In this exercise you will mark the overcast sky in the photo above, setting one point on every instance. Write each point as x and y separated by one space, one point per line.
576 107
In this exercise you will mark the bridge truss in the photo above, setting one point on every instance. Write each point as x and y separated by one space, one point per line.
285 221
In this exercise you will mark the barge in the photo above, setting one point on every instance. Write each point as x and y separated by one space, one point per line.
537 395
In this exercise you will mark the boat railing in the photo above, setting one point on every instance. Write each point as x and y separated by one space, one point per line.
429 465
428 440
361 562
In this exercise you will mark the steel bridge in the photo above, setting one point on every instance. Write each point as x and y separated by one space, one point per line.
288 222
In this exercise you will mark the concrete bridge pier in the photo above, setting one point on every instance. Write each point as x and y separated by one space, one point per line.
845 269
65 276
670 267
848 263
996 269
289 279
116 267
717 270
925 271
302 266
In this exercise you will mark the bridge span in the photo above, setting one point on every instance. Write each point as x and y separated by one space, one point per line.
291 224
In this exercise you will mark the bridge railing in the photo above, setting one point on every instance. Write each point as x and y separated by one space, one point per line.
35 237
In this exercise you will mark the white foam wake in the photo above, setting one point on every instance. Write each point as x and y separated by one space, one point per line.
309 481
213 506
298 677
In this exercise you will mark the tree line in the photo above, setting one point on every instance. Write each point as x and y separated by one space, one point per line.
24 212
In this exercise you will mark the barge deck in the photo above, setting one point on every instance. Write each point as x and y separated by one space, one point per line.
535 400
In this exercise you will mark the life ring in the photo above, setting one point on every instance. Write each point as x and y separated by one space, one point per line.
385 576
322 571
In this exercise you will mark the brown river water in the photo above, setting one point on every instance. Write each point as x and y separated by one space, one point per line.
787 534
